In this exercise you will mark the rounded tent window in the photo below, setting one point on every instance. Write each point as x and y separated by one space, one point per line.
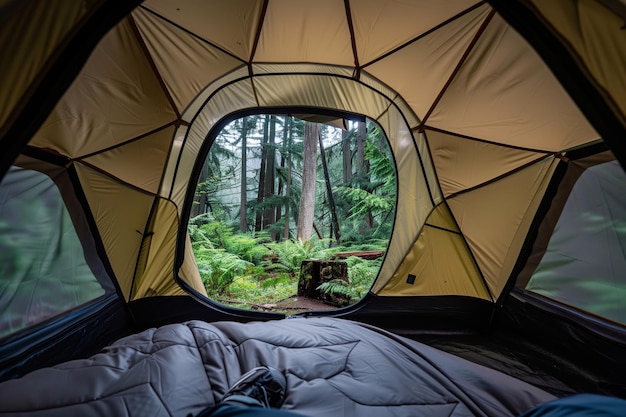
293 213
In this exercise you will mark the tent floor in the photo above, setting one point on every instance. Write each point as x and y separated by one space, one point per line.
528 362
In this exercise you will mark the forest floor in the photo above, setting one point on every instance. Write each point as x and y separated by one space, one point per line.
298 304
291 305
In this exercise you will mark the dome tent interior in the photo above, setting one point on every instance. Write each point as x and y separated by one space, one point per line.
506 121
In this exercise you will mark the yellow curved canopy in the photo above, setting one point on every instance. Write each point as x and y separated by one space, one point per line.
475 119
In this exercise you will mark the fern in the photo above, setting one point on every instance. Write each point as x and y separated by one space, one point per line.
336 287
290 254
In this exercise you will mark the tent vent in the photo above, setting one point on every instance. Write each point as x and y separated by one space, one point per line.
410 279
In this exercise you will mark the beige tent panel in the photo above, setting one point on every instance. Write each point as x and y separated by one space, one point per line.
414 201
120 230
463 163
301 67
311 31
231 25
429 168
169 172
380 27
139 162
439 263
32 31
505 94
155 271
173 48
597 37
318 91
189 270
419 71
116 97
495 218
200 100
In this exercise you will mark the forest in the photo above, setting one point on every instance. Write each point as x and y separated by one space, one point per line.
275 191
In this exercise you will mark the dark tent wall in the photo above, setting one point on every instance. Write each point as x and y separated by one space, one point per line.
531 329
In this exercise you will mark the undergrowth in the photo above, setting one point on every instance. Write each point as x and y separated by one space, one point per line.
245 269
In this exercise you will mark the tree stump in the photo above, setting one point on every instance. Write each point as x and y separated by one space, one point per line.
314 272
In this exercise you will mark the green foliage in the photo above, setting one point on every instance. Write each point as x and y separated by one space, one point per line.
218 234
218 268
339 288
256 267
364 201
251 289
289 255
361 274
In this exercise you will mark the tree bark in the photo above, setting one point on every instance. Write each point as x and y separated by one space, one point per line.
258 225
243 208
329 191
286 233
347 157
363 168
270 174
200 204
309 177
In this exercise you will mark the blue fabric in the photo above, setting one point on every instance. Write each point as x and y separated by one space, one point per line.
580 405
235 410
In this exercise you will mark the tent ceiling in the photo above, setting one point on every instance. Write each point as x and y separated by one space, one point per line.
470 109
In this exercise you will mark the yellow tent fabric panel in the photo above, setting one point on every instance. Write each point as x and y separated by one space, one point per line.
379 28
439 263
495 218
598 38
116 97
32 33
463 163
173 48
291 33
318 91
416 195
430 60
121 230
504 94
232 25
140 162
189 270
155 271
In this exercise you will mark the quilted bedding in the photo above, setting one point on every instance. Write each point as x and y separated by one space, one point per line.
333 367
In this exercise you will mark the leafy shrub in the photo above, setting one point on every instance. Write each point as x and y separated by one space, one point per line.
218 268
290 254
361 274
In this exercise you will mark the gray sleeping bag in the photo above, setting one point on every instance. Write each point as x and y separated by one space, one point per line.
333 367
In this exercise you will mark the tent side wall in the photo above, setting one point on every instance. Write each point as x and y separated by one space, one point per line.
553 33
62 302
55 68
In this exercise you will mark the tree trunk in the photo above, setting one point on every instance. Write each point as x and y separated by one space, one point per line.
281 180
347 157
309 177
243 208
258 225
200 204
270 174
363 168
286 233
329 191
